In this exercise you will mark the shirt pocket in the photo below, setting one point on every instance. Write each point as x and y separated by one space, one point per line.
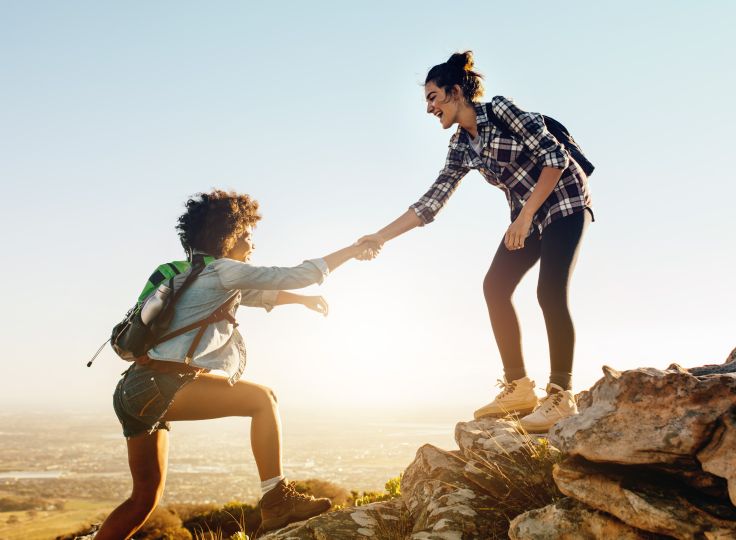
503 150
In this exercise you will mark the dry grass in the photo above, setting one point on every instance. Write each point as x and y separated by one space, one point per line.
517 481
391 527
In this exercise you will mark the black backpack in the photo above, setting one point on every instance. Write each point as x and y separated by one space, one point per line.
557 130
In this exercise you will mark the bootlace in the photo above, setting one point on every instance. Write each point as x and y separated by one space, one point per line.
506 387
292 492
551 401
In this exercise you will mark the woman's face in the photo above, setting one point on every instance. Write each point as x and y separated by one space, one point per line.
243 248
441 105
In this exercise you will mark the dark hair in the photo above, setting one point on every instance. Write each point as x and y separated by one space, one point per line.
458 70
215 221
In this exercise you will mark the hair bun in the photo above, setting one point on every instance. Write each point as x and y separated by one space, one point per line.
458 70
462 60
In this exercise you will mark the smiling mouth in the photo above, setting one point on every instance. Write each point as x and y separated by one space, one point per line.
438 114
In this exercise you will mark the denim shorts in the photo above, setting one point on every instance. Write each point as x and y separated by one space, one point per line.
143 396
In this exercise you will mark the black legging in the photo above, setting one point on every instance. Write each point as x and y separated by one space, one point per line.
557 251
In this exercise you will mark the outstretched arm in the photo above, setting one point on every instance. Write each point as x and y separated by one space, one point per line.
239 275
315 303
318 303
270 298
404 223
334 260
426 208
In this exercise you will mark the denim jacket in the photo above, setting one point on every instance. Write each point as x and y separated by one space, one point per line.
222 347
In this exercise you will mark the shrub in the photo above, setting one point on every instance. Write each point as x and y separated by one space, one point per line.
392 491
15 504
163 524
322 488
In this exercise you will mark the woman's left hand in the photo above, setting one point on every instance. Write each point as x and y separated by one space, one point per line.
517 232
316 303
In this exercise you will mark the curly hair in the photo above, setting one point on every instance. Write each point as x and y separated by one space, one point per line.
215 221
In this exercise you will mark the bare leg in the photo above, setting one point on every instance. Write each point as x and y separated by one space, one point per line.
210 396
147 458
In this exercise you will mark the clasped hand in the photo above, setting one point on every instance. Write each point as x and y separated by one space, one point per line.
371 244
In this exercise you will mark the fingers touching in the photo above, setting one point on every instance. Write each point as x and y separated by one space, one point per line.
371 244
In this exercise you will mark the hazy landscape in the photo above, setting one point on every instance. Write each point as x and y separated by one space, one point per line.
60 470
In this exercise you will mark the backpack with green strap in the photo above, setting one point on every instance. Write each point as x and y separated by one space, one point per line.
145 324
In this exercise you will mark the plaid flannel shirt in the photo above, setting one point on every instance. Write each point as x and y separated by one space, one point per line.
510 163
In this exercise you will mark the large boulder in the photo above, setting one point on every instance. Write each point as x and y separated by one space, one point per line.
496 474
647 416
442 502
568 519
513 467
646 499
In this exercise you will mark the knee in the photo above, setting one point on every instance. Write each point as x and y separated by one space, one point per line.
272 397
494 292
267 398
551 299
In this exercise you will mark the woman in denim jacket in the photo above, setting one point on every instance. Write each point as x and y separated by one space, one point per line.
167 386
549 199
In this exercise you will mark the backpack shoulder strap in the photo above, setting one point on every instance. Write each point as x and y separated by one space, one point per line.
221 313
496 121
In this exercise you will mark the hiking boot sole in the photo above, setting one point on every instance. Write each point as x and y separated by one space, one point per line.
536 430
283 521
505 414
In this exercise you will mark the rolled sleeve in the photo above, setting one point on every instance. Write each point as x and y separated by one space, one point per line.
321 265
448 180
531 129
256 298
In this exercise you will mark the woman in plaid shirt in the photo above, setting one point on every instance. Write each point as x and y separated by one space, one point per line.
548 195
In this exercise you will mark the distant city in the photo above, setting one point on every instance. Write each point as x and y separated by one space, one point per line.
61 457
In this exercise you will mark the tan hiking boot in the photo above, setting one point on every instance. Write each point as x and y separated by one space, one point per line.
558 404
284 504
516 397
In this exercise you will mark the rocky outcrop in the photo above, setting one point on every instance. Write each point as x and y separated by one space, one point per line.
652 455
452 495
470 492
646 499
646 416
568 519
441 501
656 449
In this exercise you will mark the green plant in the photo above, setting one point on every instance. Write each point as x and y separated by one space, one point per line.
392 491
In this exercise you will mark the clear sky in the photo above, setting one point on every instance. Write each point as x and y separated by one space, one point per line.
112 113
